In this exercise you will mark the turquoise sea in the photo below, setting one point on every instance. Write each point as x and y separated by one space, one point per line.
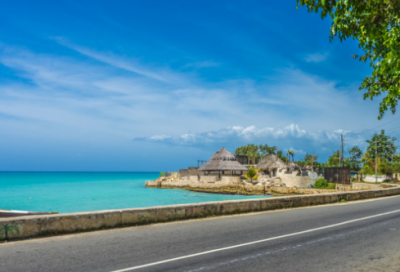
66 192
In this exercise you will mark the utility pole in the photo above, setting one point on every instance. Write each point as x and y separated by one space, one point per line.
341 151
312 161
376 161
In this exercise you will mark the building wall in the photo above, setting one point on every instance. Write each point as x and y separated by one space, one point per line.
231 179
294 179
209 178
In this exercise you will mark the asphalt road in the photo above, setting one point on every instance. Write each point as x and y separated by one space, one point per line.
356 236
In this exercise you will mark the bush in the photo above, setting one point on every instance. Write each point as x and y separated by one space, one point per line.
321 183
331 186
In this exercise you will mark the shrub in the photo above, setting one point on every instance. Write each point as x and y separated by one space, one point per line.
331 186
252 174
321 183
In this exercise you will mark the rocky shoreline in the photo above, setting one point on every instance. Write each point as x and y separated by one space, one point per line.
272 187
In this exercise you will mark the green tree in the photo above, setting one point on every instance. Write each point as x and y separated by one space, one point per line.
375 24
382 145
254 152
396 165
250 150
290 153
334 159
279 153
355 155
266 150
385 168
308 159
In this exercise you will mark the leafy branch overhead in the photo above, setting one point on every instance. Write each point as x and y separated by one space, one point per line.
375 25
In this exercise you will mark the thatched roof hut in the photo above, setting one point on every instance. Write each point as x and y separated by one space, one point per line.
270 163
223 160
294 166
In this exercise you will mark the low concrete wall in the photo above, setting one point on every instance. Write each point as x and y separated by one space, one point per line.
356 186
43 225
372 178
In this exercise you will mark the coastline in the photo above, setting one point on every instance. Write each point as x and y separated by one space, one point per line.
235 189
48 225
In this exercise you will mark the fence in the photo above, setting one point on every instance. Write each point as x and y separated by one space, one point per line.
340 175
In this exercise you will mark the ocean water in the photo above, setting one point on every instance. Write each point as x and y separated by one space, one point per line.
66 192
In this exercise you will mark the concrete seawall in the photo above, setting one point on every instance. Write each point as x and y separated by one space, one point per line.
44 225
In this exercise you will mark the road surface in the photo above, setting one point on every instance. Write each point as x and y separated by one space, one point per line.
354 236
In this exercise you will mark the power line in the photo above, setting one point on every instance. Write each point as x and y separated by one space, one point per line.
393 130
381 125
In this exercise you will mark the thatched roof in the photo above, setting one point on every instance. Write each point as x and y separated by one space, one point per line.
221 161
271 162
294 166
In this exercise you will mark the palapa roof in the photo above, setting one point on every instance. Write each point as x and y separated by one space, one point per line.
223 160
294 166
271 162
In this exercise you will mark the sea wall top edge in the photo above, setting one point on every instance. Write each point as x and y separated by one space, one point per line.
155 172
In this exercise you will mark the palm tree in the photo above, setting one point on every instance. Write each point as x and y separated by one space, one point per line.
251 173
9 229
290 153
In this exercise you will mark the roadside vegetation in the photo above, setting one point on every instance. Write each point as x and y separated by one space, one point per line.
323 184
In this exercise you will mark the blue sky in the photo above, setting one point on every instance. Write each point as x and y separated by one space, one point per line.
158 85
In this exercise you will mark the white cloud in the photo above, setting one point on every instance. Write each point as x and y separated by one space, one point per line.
127 64
202 64
59 95
290 137
316 57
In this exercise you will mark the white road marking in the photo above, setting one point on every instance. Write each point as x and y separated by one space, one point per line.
254 242
253 257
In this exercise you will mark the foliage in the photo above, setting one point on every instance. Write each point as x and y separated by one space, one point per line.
250 150
385 168
375 25
396 165
321 183
255 152
265 150
280 155
381 144
367 170
334 159
290 153
251 173
331 186
8 229
308 160
354 158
